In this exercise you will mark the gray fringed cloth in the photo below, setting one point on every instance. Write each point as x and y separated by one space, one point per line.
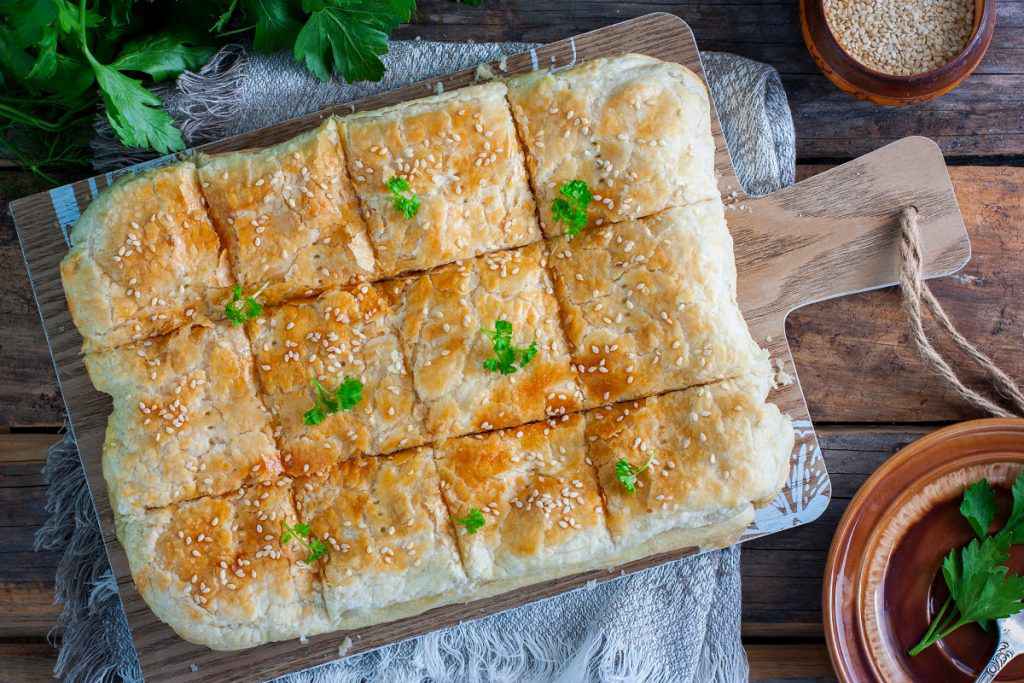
679 622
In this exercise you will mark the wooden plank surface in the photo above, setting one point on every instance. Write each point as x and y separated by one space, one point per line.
835 343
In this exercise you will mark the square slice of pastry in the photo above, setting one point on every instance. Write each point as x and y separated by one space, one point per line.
635 129
448 323
216 571
459 157
650 305
701 458
288 216
346 337
390 551
187 420
145 259
537 498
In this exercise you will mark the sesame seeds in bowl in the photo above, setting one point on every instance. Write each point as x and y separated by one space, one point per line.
897 52
901 37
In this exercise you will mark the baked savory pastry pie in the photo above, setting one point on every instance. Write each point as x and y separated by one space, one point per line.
410 398
215 568
702 457
187 418
537 496
649 305
390 551
344 335
637 130
459 156
288 216
448 319
145 259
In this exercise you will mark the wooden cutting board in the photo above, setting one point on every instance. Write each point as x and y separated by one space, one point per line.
832 235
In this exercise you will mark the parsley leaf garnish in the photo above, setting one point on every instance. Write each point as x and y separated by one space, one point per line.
238 310
571 207
405 202
348 36
981 588
627 474
979 507
346 397
507 357
300 532
473 521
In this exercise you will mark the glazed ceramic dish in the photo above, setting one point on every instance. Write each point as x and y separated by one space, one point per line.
883 577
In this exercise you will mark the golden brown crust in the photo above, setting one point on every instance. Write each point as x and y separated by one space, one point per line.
637 130
187 420
442 314
649 305
216 571
461 157
713 451
343 333
145 260
538 496
387 532
288 216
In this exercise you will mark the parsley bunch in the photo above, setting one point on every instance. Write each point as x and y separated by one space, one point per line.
405 202
507 358
571 207
238 310
60 58
981 588
346 397
473 522
300 533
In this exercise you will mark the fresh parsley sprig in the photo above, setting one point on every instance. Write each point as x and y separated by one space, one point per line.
300 533
239 310
571 208
404 200
346 397
473 522
507 357
981 588
627 474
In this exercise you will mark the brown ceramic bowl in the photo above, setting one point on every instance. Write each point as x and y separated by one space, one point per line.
865 83
883 578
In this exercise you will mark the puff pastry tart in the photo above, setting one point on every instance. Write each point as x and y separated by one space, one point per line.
216 571
459 154
288 216
704 457
145 259
637 130
444 317
649 305
538 496
390 547
187 418
344 334
416 398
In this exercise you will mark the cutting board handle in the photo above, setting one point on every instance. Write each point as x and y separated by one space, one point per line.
837 232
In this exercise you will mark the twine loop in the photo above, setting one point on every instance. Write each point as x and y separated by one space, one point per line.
915 292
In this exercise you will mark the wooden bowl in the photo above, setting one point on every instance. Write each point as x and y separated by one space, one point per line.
866 83
883 580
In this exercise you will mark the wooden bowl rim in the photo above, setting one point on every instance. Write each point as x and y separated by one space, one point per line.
850 660
954 63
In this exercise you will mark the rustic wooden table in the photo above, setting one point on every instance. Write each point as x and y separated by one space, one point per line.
867 391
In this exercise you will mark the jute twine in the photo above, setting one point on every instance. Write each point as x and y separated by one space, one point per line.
915 292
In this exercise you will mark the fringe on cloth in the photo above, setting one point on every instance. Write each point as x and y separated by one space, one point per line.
96 644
